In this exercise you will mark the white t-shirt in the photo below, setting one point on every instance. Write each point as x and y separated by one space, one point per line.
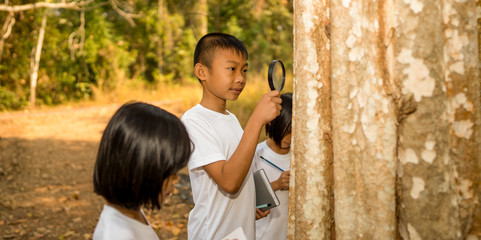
274 226
216 213
115 225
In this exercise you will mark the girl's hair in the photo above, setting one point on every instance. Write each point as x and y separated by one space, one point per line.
281 125
141 146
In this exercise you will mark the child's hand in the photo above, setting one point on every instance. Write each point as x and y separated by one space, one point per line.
282 183
268 107
260 214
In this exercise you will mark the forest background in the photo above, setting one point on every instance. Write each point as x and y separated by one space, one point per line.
111 50
86 58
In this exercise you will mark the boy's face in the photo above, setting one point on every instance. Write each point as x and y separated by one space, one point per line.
226 78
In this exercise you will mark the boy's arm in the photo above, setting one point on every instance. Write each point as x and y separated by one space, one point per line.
229 175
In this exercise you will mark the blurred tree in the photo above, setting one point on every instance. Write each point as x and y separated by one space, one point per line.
35 57
264 26
198 18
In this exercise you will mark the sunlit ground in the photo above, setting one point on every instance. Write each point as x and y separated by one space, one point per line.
47 157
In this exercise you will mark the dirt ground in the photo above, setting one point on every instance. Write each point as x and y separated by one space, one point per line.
46 166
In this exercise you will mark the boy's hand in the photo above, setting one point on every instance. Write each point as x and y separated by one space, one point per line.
229 174
260 214
282 183
268 107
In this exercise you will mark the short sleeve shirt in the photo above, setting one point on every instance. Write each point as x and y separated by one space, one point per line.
115 225
216 213
274 225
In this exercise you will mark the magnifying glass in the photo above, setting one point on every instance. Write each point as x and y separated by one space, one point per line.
276 75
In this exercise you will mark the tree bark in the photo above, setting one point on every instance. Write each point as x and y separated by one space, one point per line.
363 120
476 229
310 199
406 122
438 148
35 60
463 107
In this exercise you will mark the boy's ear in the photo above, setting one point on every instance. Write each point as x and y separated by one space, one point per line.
200 71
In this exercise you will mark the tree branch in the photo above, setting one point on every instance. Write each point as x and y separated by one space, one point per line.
65 5
78 5
126 15
74 40
6 30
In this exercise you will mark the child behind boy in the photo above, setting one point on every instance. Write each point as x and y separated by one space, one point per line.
276 150
220 167
141 150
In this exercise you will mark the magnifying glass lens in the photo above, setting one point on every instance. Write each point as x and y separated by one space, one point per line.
278 76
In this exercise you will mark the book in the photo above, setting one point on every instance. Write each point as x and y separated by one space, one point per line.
266 198
237 234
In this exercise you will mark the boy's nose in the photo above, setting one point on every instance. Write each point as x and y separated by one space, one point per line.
240 78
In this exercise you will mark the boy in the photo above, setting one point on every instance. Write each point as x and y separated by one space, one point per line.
220 167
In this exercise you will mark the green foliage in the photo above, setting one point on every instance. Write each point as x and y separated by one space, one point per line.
10 100
154 51
107 56
15 62
264 27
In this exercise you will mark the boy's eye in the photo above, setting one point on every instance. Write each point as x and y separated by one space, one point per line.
245 70
231 69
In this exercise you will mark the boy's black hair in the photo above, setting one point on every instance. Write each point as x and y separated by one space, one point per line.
208 43
141 146
281 125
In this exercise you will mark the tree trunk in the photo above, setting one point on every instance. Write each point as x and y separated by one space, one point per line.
476 230
160 58
363 120
406 122
437 62
310 199
203 13
199 18
35 60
